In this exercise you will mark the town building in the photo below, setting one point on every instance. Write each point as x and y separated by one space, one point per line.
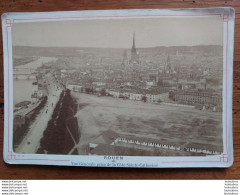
196 97
157 97
76 88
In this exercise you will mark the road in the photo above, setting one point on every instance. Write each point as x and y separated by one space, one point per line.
31 142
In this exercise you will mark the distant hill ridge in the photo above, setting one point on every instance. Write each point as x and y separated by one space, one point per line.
76 51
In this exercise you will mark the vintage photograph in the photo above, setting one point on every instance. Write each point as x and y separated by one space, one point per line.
126 86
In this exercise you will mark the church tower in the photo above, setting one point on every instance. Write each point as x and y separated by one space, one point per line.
133 45
134 56
168 65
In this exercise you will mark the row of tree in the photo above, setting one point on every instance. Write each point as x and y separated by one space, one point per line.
62 128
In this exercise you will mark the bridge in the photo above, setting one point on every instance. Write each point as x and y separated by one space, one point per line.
24 73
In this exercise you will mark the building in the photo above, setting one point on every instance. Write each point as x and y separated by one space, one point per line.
114 92
168 68
75 88
208 149
19 120
136 96
196 97
145 142
99 83
192 84
134 55
157 97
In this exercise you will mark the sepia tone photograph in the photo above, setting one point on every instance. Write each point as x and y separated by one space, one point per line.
128 87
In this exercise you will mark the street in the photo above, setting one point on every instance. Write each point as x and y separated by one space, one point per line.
31 142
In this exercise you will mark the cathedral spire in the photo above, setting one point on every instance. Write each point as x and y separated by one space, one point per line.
133 46
134 54
168 63
134 39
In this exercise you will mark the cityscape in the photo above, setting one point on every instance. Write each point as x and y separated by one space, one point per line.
146 101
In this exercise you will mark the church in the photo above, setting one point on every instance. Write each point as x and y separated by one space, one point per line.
134 59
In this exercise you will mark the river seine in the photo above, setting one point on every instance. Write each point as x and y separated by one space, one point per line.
22 90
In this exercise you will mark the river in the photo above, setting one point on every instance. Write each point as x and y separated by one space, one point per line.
22 90
37 63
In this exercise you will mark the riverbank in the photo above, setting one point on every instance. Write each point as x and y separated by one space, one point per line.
31 141
20 131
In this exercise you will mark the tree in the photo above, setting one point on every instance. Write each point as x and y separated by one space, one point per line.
88 90
103 92
144 98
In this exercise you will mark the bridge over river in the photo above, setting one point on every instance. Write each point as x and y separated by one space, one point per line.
24 73
29 70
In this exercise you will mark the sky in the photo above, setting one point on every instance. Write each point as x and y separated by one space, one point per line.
118 33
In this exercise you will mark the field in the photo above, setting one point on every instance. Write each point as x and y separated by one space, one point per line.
174 124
